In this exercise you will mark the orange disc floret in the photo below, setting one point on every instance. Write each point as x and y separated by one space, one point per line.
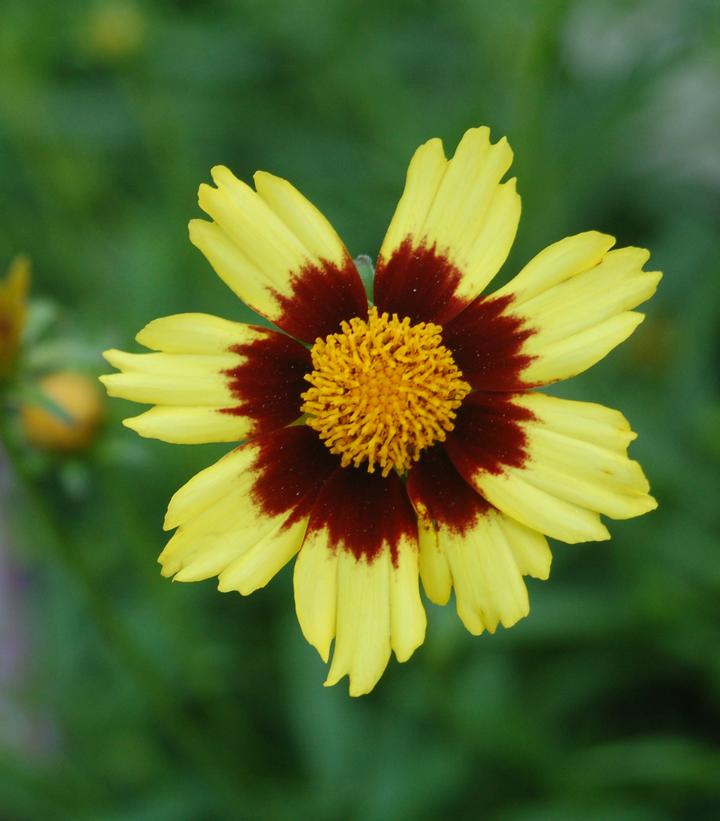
382 391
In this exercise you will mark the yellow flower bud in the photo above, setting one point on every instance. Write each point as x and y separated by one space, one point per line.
79 399
115 29
13 311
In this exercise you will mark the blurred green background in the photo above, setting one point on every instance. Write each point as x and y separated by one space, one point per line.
123 696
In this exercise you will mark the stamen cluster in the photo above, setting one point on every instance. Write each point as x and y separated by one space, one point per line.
382 391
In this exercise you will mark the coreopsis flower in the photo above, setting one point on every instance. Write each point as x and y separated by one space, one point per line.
396 441
13 311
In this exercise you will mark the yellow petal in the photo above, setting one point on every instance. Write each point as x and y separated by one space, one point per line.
315 585
458 208
215 538
187 365
424 175
196 334
585 421
247 220
489 589
537 509
571 356
190 426
211 380
210 485
530 548
356 577
434 569
575 298
233 267
244 517
301 217
582 471
573 466
277 253
467 545
254 568
557 263
362 641
202 387
407 615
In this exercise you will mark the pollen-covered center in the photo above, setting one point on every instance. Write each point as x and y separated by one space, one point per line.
382 391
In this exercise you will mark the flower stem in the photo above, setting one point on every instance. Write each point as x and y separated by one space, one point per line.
189 739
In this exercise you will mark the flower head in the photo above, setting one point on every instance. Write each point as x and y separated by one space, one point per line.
13 311
400 441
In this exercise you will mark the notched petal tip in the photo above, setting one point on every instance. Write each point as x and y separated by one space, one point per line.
169 522
511 186
209 199
406 653
362 690
225 587
433 145
222 175
642 254
653 278
323 652
166 570
603 239
503 145
322 648
542 575
196 228
478 133
355 688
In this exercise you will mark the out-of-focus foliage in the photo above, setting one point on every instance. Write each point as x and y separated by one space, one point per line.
134 698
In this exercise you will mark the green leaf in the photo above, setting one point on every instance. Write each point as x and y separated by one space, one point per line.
28 393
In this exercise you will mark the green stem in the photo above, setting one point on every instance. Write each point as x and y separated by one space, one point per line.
188 738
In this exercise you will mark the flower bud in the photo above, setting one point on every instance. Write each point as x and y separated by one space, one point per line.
73 423
115 29
13 311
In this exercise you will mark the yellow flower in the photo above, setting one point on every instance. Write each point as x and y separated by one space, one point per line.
396 442
77 397
13 311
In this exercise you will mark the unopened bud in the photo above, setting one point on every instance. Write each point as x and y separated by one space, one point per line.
13 311
71 417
